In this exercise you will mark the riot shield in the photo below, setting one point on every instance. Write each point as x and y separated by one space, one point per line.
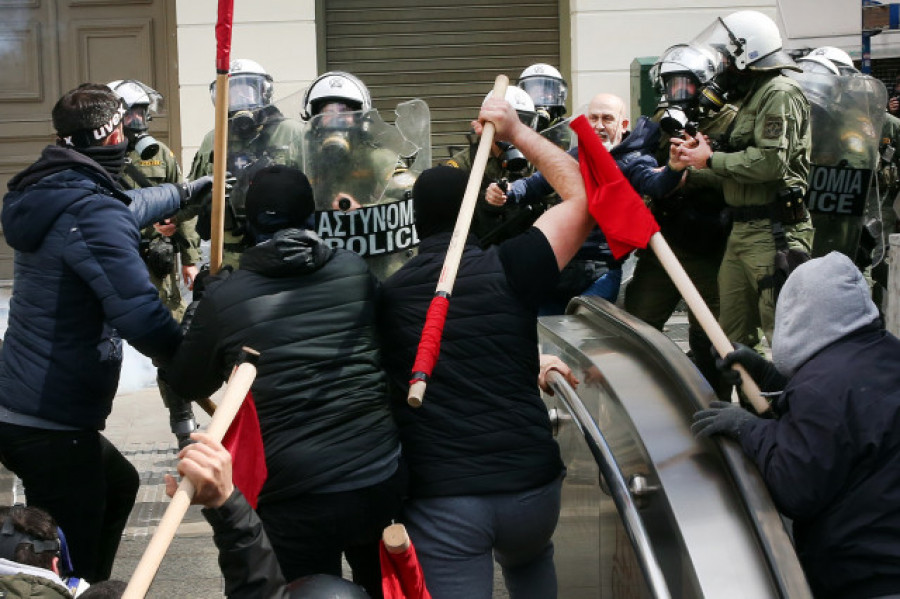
847 113
561 134
362 171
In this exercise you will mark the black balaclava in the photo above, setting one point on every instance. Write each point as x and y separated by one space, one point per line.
111 158
437 196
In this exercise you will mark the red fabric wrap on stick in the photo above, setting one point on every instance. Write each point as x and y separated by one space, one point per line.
401 575
430 342
223 35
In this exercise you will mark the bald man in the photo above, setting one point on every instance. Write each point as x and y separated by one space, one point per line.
593 270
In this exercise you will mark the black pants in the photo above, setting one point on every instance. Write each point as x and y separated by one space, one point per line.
83 481
309 532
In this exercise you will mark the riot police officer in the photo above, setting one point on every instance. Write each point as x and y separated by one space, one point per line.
694 219
148 163
494 219
763 171
549 92
258 136
362 170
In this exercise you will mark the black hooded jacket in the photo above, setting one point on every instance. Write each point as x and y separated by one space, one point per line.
80 283
320 393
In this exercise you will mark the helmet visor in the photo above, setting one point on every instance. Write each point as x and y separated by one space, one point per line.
246 91
137 117
680 87
717 40
545 91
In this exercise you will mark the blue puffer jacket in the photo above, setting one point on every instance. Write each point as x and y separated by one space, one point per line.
79 283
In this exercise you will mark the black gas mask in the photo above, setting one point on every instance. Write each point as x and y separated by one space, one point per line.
245 124
135 124
511 158
338 128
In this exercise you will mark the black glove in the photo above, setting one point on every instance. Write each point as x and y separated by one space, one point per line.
760 370
721 418
194 192
205 277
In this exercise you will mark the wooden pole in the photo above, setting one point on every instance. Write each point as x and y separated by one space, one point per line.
704 317
220 154
461 229
238 386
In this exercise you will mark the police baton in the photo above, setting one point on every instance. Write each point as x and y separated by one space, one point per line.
430 341
704 317
238 386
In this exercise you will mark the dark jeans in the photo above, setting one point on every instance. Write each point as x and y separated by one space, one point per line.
83 481
309 532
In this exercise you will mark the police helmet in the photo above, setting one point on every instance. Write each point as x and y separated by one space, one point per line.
249 86
335 86
546 86
521 102
812 63
838 57
682 65
141 101
750 39
325 586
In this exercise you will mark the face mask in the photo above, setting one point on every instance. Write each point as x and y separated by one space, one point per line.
111 158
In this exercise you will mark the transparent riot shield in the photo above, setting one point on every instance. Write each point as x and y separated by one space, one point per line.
847 113
561 134
362 171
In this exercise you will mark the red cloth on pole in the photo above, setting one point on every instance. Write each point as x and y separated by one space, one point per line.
223 35
401 575
621 213
243 440
430 341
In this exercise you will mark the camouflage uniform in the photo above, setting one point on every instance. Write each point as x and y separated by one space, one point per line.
163 168
279 141
769 148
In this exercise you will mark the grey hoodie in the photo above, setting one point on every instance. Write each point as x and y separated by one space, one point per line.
823 300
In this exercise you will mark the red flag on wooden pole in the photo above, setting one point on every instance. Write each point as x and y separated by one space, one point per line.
243 441
621 213
220 140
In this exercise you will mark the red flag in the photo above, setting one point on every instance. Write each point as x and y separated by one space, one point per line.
401 574
223 35
621 213
243 441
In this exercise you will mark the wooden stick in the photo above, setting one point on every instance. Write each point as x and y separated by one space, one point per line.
234 395
463 222
395 538
704 317
207 405
220 160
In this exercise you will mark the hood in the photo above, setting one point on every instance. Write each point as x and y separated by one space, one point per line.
822 301
9 568
289 252
35 201
643 138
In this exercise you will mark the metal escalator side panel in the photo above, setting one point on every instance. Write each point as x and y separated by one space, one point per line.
714 528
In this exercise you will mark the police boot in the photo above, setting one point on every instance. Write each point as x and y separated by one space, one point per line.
181 416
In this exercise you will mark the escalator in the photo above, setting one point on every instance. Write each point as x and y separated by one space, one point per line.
647 509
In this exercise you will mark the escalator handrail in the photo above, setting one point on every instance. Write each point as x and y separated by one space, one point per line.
609 469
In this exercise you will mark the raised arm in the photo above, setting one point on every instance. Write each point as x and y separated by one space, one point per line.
566 225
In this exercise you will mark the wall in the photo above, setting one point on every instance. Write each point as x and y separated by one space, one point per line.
278 34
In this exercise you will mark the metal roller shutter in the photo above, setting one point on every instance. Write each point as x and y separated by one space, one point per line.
447 54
